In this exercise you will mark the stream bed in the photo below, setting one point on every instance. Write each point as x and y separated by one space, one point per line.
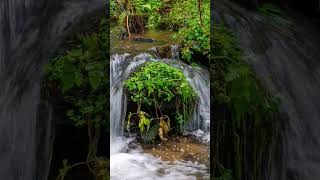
187 159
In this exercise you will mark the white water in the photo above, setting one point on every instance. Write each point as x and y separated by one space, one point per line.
131 163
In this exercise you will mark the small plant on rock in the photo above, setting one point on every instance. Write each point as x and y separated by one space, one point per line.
154 86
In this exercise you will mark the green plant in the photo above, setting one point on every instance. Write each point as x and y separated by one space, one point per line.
150 135
246 111
194 33
156 84
278 16
180 120
144 123
78 81
189 19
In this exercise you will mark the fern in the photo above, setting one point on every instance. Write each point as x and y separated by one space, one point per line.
150 135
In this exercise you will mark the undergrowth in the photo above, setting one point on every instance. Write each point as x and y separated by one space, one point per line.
188 19
245 114
78 80
153 86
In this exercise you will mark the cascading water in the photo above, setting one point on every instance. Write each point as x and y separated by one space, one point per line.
129 163
289 54
30 32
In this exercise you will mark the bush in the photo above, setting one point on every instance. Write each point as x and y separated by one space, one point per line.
156 84
78 80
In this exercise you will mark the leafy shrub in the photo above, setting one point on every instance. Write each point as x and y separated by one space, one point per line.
247 112
234 82
193 32
189 19
156 84
78 81
80 77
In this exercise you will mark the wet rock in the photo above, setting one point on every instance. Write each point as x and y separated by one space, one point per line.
145 40
164 52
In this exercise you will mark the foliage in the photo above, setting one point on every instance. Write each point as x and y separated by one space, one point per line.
277 16
80 77
77 80
248 113
194 33
235 83
144 123
226 175
102 166
64 170
150 135
157 84
190 20
179 119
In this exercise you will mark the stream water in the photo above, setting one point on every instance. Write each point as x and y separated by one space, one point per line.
129 160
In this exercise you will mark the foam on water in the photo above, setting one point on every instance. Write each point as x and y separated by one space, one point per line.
134 164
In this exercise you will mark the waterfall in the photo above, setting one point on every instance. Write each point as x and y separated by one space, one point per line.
287 60
133 164
120 68
30 32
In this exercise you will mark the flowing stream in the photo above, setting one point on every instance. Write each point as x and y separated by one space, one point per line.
287 59
132 163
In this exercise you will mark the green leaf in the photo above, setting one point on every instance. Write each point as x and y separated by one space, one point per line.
68 81
94 79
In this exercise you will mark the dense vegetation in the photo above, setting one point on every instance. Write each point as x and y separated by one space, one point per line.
78 80
245 114
154 86
188 19
157 85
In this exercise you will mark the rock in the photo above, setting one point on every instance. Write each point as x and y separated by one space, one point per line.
145 40
163 52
